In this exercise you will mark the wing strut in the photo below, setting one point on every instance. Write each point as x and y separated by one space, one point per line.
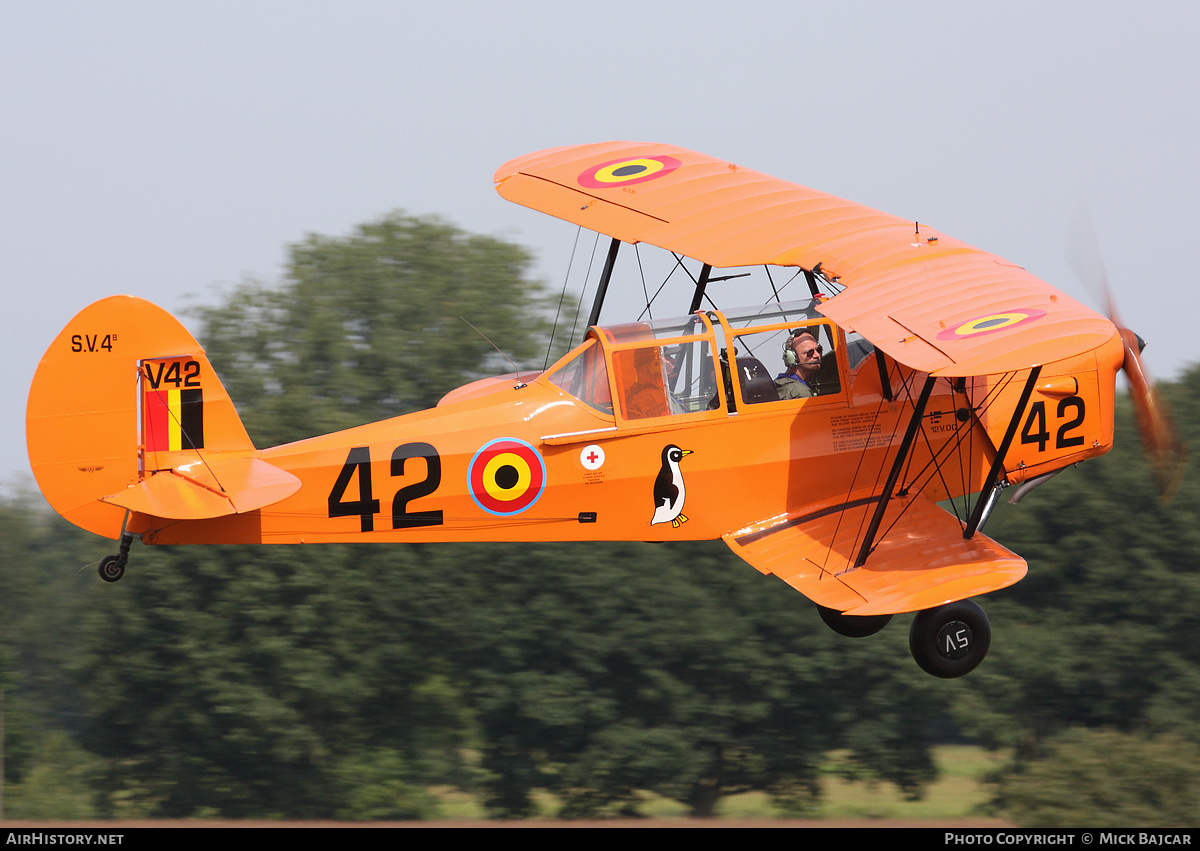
812 282
605 276
986 496
897 466
700 285
885 380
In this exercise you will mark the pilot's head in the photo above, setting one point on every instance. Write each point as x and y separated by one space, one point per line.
802 355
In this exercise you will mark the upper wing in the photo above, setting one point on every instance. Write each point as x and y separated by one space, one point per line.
928 300
922 561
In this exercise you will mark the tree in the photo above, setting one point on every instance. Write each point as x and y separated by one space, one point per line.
44 591
338 681
1100 632
600 672
1103 778
264 681
59 784
370 326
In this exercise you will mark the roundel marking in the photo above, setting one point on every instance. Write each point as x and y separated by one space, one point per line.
626 172
992 323
506 476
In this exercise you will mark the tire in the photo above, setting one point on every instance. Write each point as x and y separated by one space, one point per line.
951 640
853 626
111 569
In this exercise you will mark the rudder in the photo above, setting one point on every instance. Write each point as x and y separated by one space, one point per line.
123 391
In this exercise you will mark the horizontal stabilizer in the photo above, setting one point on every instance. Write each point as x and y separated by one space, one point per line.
214 487
919 562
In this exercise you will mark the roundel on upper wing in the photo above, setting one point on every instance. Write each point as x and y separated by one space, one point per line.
627 171
992 323
506 476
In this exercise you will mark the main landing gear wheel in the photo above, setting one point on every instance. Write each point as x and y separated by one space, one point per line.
853 626
951 640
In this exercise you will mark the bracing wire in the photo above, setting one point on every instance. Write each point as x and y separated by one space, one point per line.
582 291
561 296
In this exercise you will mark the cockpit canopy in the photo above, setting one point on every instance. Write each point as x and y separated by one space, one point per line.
687 365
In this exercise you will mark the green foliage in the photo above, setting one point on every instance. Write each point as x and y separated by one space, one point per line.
342 681
248 681
599 672
370 326
379 786
570 659
60 784
265 682
345 681
45 559
1102 631
42 597
1103 778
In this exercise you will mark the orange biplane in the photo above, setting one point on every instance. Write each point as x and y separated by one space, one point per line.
934 374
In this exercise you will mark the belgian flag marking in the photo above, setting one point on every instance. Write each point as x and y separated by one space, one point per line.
172 411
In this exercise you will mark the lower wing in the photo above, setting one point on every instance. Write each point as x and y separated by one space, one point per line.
921 559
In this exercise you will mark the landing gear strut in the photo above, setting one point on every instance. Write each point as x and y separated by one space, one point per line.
112 568
951 640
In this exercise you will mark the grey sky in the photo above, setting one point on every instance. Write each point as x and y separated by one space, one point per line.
165 149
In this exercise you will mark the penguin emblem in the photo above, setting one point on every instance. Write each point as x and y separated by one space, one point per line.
668 488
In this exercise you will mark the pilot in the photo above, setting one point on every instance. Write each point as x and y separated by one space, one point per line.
802 357
647 396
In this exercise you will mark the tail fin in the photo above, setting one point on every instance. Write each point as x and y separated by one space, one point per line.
123 393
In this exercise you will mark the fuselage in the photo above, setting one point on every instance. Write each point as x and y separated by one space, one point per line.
574 454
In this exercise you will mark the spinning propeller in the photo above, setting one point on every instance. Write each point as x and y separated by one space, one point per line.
1159 436
1160 439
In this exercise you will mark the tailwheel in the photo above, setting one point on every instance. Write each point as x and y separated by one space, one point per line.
951 640
112 568
853 626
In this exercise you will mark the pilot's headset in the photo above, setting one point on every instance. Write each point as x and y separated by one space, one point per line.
789 354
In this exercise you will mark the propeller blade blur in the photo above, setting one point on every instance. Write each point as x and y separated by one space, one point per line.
1160 438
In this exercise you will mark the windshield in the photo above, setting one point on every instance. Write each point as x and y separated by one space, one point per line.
655 329
585 377
663 366
795 312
